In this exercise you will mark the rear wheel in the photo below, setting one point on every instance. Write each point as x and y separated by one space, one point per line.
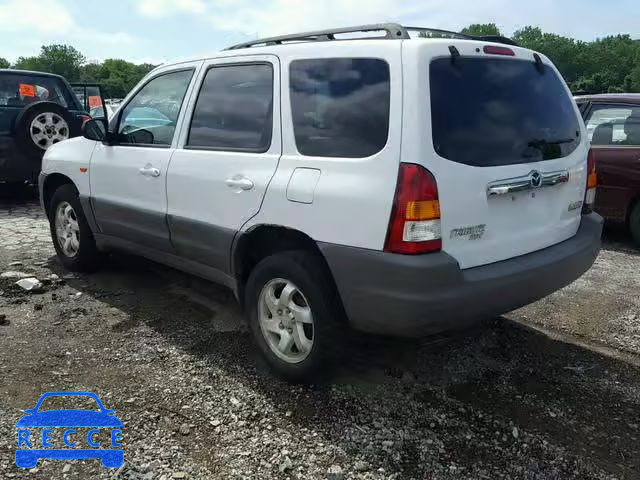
295 315
70 232
634 223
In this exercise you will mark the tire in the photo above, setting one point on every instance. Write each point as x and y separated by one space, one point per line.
634 223
79 253
33 124
307 274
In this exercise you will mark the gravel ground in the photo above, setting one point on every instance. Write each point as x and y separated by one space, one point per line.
171 354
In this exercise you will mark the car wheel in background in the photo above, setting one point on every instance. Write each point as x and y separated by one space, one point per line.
295 315
43 124
634 223
70 232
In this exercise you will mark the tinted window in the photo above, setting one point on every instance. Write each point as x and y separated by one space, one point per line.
20 90
234 109
500 111
340 106
151 115
614 125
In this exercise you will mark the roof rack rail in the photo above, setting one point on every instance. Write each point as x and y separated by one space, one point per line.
393 31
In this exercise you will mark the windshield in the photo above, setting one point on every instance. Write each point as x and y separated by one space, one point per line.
490 112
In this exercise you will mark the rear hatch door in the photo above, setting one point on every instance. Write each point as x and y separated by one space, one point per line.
505 143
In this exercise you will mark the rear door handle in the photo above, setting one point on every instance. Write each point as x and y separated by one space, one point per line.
240 182
149 171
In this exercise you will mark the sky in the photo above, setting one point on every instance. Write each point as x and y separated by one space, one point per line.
156 31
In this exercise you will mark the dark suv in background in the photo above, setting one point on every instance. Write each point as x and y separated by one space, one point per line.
613 125
37 110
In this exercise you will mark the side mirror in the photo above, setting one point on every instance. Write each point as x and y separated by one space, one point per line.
95 129
30 411
141 136
109 411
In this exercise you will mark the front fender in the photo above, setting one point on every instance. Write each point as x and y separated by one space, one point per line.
71 158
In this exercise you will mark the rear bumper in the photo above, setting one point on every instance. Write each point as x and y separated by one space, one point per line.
420 295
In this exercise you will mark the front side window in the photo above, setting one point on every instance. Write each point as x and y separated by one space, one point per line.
151 116
494 111
614 125
340 106
234 109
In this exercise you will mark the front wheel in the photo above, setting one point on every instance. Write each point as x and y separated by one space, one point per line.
70 232
295 315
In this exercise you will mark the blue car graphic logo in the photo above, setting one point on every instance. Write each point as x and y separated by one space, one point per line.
33 445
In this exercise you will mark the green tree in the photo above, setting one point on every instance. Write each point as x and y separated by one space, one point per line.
566 53
116 76
482 29
63 60
610 64
4 63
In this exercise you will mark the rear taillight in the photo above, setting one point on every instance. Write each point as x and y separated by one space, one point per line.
414 227
592 184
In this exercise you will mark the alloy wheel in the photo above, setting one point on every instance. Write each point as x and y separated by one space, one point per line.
286 320
47 129
67 229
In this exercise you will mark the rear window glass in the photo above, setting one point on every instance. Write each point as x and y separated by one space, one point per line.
20 90
340 106
614 125
489 112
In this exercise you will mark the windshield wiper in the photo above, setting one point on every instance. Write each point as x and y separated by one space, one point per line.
543 142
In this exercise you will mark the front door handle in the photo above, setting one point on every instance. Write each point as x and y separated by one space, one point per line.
240 182
149 171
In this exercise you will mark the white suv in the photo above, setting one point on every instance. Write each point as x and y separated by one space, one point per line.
397 186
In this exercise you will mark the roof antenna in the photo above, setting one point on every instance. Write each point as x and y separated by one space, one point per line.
539 63
455 54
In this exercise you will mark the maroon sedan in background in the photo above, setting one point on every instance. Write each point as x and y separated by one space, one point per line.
613 126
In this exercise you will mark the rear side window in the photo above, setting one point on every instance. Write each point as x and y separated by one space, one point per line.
490 112
20 90
614 125
340 106
234 109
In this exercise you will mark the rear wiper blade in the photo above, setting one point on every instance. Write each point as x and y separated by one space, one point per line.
543 142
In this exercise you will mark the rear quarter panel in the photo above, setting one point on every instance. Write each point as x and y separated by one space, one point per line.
353 196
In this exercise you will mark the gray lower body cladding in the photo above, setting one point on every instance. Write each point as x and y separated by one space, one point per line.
420 295
382 293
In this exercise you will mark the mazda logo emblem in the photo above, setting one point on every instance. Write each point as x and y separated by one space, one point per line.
536 179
